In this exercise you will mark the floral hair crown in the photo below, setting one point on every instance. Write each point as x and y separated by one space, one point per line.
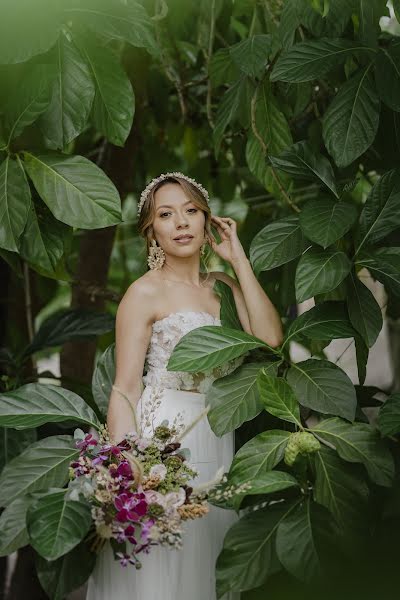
153 182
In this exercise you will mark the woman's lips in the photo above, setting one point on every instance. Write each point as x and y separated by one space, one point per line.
184 240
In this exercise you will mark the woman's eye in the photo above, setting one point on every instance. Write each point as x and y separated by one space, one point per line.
162 214
195 209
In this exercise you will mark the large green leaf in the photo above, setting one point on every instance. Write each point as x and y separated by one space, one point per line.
27 29
324 221
13 442
251 54
320 271
248 555
62 576
228 311
370 13
222 69
364 311
300 538
332 21
381 212
70 324
324 321
103 378
42 242
34 404
56 525
276 244
127 21
15 200
114 101
42 465
387 75
227 110
211 346
350 124
339 487
258 456
278 398
71 97
359 442
301 162
288 23
312 59
389 415
28 101
384 265
324 387
234 399
396 8
76 191
13 532
266 483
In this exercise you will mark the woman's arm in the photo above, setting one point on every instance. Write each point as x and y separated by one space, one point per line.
132 336
256 312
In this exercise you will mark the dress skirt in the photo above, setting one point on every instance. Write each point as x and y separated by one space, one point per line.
168 573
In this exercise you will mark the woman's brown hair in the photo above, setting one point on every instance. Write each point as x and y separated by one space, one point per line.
147 213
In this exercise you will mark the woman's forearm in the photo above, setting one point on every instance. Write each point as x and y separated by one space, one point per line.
265 321
120 414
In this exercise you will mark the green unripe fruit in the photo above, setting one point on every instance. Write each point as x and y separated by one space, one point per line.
300 442
308 443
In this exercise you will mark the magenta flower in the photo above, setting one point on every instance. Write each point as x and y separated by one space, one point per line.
86 442
129 507
124 469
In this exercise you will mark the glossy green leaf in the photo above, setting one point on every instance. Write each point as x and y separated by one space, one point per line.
103 378
15 200
76 191
211 346
13 442
351 122
227 110
56 525
228 311
34 404
320 271
359 442
364 311
114 100
42 465
13 532
324 321
234 399
251 54
258 456
222 69
276 244
278 398
300 161
381 212
324 387
387 75
384 265
266 483
313 58
389 415
72 94
324 221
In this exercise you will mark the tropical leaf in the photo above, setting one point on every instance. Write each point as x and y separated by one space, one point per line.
276 244
324 221
278 398
251 54
301 162
103 378
387 74
42 465
234 399
228 312
15 200
350 124
13 532
13 442
56 525
384 265
389 415
364 312
222 69
320 271
324 387
359 442
34 404
71 97
76 191
266 483
227 110
312 59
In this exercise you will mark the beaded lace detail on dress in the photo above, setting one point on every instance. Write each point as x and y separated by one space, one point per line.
165 335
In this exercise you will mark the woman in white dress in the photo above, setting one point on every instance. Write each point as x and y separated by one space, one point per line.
170 300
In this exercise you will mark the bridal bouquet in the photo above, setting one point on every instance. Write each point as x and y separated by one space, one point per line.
140 490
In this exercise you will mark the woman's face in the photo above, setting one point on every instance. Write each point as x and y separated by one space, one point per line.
177 216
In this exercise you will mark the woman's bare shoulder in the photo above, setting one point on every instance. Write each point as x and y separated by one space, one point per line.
142 296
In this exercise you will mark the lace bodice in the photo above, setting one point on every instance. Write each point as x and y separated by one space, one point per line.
165 335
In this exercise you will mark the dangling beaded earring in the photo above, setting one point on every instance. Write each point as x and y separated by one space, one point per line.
156 257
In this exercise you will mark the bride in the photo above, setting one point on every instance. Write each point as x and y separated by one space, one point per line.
167 302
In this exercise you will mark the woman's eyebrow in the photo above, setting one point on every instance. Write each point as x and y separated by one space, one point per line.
168 206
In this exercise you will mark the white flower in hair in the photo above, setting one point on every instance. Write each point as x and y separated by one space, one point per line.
153 182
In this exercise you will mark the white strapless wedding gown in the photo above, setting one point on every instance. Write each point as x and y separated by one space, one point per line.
188 573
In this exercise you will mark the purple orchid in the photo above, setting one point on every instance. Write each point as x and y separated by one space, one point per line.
130 507
87 441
